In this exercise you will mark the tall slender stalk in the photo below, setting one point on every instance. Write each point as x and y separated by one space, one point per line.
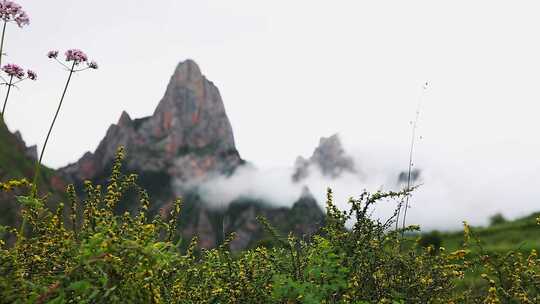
77 56
2 42
7 96
1 54
38 163
413 140
410 164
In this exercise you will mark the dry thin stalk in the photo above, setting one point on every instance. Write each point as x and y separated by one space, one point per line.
411 164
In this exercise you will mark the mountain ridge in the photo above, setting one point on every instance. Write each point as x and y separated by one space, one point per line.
186 141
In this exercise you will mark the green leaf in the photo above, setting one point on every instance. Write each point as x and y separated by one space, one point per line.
80 286
30 202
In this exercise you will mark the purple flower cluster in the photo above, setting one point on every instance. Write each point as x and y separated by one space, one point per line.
11 11
93 65
31 75
16 71
13 70
76 56
52 54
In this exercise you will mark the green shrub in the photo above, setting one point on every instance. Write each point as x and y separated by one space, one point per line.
432 239
497 219
90 254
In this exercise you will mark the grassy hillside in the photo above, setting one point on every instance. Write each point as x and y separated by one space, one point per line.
522 234
497 241
14 164
13 161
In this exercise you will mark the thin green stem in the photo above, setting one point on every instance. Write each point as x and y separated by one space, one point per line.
38 163
400 205
2 42
413 137
409 171
21 232
7 96
1 53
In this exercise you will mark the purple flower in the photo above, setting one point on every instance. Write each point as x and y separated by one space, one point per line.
93 65
31 75
52 54
11 11
77 56
13 70
22 20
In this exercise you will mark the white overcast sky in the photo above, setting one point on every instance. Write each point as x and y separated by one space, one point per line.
292 71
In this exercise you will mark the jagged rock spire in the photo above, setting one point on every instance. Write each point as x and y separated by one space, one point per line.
329 157
188 136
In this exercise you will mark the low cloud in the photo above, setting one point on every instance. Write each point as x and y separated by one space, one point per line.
455 186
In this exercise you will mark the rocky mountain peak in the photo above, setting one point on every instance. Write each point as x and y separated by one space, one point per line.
184 143
192 113
125 120
306 193
329 157
187 71
188 137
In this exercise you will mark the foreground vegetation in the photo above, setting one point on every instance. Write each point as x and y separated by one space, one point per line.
89 254
82 251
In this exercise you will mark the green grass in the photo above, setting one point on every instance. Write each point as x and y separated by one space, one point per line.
522 234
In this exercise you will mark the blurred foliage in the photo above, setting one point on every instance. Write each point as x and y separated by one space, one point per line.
84 252
497 219
431 239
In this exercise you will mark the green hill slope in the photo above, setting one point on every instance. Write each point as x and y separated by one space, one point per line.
16 164
522 234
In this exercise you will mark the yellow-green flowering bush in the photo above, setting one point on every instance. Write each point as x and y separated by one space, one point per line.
83 252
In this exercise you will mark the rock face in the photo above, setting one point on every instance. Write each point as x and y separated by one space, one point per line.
186 141
303 219
189 136
31 151
329 157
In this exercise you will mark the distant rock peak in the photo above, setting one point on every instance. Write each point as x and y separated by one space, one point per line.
125 120
187 136
188 71
187 141
329 157
404 177
306 193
